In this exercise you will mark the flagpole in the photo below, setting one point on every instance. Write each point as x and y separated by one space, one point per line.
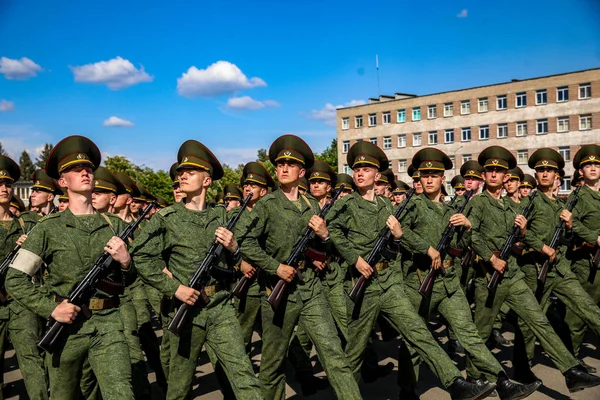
377 67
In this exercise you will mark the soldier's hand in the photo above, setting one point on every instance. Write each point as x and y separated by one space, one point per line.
166 271
226 238
598 241
436 260
364 268
320 265
21 239
521 222
318 225
394 226
247 269
286 272
550 253
498 264
65 312
460 220
567 216
117 248
187 295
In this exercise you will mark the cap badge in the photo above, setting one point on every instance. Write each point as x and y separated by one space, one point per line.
361 158
592 158
287 153
469 172
3 173
317 173
429 164
37 182
185 159
80 156
545 162
96 183
251 176
229 194
495 162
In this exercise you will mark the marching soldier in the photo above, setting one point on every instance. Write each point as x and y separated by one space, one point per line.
528 183
42 192
399 193
416 178
385 184
348 184
515 176
232 197
178 195
472 174
63 201
303 185
458 184
84 235
16 205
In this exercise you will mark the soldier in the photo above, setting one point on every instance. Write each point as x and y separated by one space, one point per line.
385 184
515 176
83 236
492 220
233 196
161 202
472 173
106 189
42 192
416 177
277 222
63 200
178 195
16 205
355 222
19 324
528 183
576 179
348 184
321 179
423 225
303 185
458 184
399 192
586 227
178 237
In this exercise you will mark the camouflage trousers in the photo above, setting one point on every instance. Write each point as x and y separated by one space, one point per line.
24 328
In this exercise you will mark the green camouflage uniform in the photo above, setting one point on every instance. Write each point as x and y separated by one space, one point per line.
69 245
276 224
178 238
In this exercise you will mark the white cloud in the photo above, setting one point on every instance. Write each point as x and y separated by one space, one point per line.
463 14
248 103
327 113
219 78
118 122
18 69
117 73
6 105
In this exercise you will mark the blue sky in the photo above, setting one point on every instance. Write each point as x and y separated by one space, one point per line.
237 74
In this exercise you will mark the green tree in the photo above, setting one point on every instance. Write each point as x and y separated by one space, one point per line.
329 155
26 165
2 151
230 175
41 161
263 157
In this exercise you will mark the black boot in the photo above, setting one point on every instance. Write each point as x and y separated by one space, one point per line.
407 394
513 391
310 384
577 379
463 390
454 347
500 340
482 383
371 374
588 368
526 376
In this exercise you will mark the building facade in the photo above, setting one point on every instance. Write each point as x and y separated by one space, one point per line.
557 111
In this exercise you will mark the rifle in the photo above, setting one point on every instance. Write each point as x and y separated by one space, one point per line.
554 243
505 253
427 285
358 289
203 274
299 250
81 295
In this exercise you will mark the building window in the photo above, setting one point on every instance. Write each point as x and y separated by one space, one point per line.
401 116
502 131
562 124
562 94
501 102
431 111
373 140
372 119
433 137
416 139
449 136
401 165
522 156
484 132
451 159
465 158
565 152
566 186
542 126
522 128
541 97
347 169
387 142
387 118
521 99
483 104
465 107
448 110
585 91
466 135
346 146
585 122
401 140
358 121
345 123
416 114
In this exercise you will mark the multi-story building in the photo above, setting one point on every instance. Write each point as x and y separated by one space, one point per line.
558 111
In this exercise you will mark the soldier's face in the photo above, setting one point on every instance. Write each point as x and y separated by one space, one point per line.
432 182
14 210
319 188
78 180
178 194
63 205
494 177
365 177
399 198
39 198
344 192
122 201
524 191
472 183
289 172
512 185
418 187
590 171
6 192
459 192
136 206
193 181
380 188
257 191
232 203
545 177
103 201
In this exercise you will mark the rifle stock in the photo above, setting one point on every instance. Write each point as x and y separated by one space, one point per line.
83 292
